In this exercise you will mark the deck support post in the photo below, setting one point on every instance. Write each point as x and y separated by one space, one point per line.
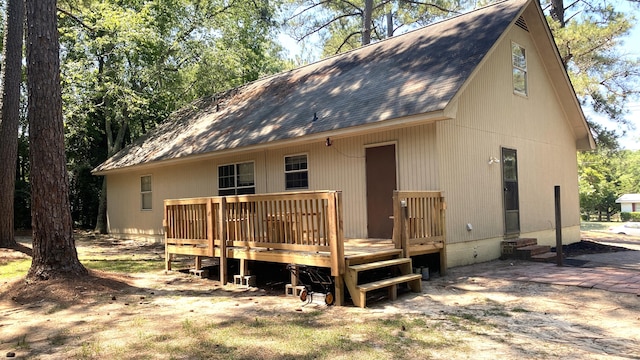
397 223
443 251
338 295
404 221
222 225
165 226
393 292
336 235
244 267
167 262
294 278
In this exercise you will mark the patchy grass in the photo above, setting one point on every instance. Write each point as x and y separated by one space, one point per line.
124 266
19 267
300 336
597 226
184 317
496 311
520 310
14 268
59 338
55 308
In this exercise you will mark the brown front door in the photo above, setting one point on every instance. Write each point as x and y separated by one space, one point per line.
381 182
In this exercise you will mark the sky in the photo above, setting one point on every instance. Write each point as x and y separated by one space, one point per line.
630 141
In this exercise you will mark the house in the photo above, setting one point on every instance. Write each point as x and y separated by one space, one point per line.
478 106
629 202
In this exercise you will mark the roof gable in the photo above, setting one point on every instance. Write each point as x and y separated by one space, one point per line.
628 198
415 73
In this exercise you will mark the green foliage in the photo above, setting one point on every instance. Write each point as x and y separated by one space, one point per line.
126 65
605 175
630 216
590 41
339 24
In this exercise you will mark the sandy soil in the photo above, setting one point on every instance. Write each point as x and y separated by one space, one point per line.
506 319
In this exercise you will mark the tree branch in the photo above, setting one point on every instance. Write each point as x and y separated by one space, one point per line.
346 39
77 20
314 5
381 4
325 25
432 5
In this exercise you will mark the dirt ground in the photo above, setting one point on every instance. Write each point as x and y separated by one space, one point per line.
108 315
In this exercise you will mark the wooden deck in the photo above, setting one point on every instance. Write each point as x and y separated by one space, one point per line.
304 228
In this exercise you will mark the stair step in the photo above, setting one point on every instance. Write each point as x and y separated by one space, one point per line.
367 257
510 246
520 242
527 252
388 282
545 257
380 264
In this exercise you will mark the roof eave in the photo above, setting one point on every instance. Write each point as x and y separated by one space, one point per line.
448 112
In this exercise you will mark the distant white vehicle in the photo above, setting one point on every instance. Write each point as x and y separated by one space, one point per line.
630 228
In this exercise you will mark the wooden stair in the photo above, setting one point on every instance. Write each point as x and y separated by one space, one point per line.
391 271
526 249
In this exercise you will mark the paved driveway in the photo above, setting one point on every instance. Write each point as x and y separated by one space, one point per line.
616 272
621 259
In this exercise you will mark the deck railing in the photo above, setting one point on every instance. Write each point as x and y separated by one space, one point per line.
419 223
299 222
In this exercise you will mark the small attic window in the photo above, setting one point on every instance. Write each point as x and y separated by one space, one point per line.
519 62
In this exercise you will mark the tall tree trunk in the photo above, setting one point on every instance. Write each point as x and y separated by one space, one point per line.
557 12
10 117
114 144
101 221
366 22
54 252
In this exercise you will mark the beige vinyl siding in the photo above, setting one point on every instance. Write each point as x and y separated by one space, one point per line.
340 166
125 218
489 117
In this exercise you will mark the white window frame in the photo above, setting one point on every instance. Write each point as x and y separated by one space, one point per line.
296 171
144 193
235 187
519 66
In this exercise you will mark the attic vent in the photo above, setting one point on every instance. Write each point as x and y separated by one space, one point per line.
522 24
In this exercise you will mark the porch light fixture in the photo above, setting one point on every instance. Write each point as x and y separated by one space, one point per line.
493 160
328 142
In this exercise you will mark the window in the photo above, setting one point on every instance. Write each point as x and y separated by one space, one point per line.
145 192
236 179
519 62
296 172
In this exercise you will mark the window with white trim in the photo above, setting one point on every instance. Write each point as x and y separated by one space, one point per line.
519 62
145 193
236 179
296 172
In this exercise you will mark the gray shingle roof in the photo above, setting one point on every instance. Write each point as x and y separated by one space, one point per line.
415 73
